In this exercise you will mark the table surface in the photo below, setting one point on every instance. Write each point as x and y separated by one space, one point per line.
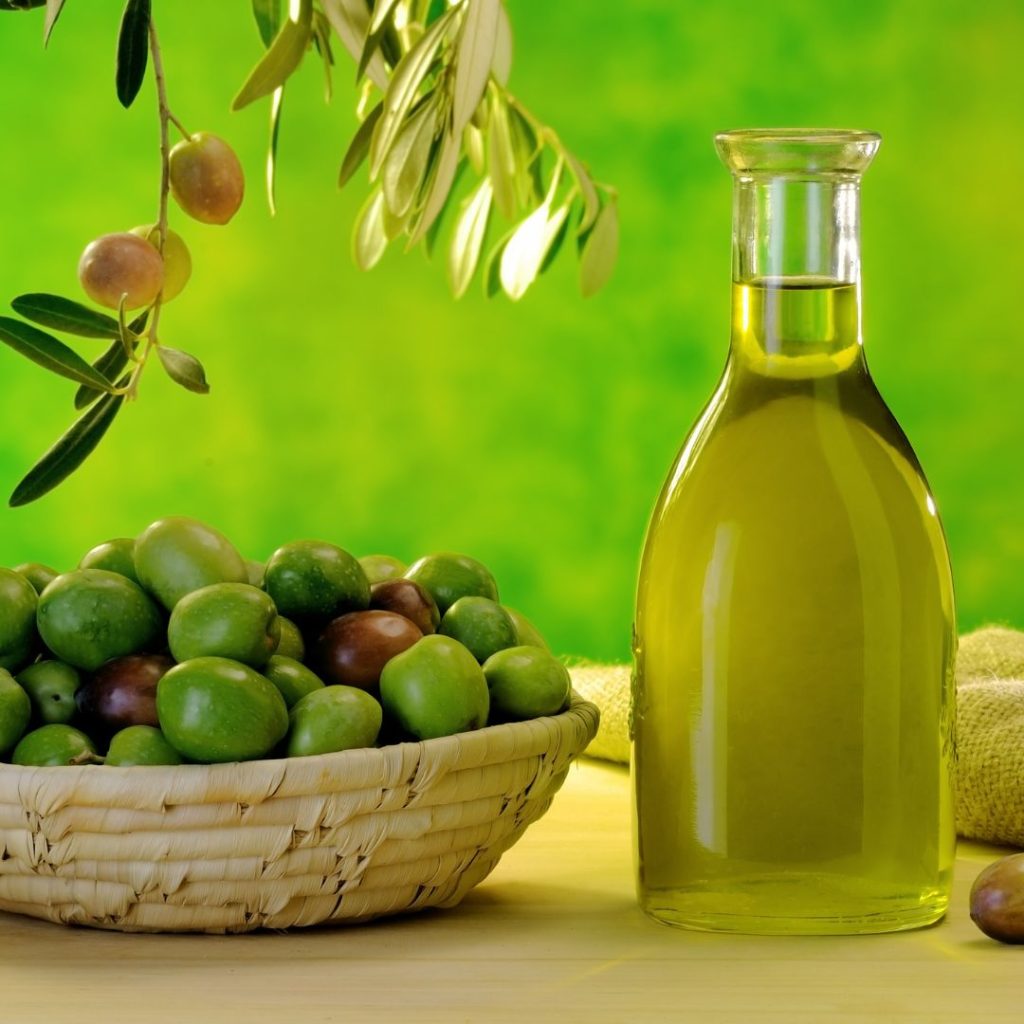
553 934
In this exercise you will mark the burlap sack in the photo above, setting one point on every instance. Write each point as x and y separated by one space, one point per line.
989 734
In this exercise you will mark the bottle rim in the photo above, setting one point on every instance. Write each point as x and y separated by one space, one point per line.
771 152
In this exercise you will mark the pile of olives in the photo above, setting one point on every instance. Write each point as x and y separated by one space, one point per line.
171 648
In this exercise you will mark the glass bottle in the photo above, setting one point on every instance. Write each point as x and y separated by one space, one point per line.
794 639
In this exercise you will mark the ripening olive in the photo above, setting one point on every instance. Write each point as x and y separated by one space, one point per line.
404 597
206 178
354 648
121 264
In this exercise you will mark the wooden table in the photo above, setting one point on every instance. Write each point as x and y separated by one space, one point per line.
553 934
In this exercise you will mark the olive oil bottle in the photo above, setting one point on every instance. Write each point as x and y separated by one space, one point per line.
794 639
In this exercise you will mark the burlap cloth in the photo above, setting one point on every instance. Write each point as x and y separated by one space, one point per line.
989 729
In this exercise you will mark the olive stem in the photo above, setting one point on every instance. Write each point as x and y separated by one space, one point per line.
166 117
177 124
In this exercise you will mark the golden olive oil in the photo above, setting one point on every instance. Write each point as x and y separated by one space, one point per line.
793 715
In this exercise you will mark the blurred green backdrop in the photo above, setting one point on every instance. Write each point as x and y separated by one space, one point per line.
374 411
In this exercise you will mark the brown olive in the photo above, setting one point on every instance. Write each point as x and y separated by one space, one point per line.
123 692
354 648
404 597
997 899
121 264
206 178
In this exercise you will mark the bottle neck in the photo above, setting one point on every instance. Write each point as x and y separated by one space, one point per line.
796 273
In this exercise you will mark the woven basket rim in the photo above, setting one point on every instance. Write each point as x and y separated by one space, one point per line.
578 709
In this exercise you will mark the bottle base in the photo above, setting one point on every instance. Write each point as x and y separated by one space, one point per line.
770 913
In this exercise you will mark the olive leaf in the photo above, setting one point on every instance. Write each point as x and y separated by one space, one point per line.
351 20
492 268
375 33
474 55
64 315
501 66
110 364
526 250
369 239
322 41
406 164
502 161
132 50
403 88
53 9
359 146
70 450
439 186
276 103
268 18
431 235
468 237
599 251
591 201
46 351
184 369
526 154
283 56
476 150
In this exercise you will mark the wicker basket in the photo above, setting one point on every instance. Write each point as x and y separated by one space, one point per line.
278 844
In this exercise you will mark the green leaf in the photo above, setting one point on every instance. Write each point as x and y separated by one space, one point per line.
281 59
591 201
406 164
359 146
445 170
501 66
468 237
369 239
528 247
64 315
403 88
48 352
476 150
322 41
351 20
501 160
556 246
184 369
20 5
110 364
431 235
70 451
132 50
492 268
474 55
375 33
526 157
276 103
53 9
268 18
600 251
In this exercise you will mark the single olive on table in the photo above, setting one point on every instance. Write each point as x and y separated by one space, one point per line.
171 648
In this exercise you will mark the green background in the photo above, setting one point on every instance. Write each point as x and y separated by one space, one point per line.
374 411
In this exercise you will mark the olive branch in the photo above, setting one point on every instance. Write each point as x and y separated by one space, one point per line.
434 102
434 106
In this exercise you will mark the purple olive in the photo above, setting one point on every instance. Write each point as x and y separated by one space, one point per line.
404 597
997 899
123 691
354 648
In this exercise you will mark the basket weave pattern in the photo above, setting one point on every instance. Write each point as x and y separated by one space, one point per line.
278 844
